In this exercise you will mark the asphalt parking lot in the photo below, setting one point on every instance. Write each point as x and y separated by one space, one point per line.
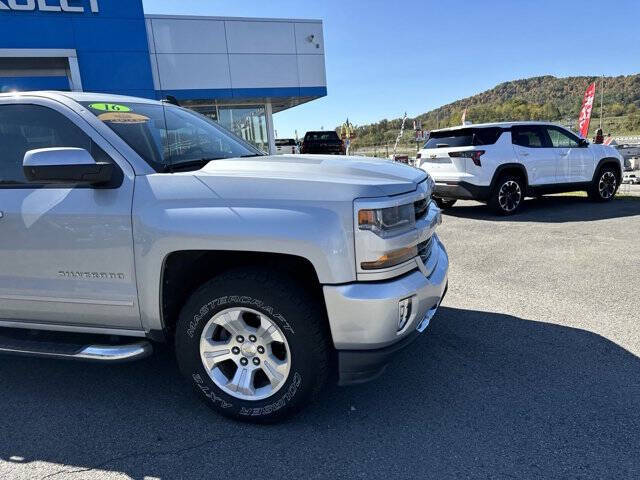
530 370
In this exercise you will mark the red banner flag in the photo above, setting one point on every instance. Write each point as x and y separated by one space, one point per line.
585 112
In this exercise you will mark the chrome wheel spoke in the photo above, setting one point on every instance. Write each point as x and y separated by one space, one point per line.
214 353
275 370
242 381
271 334
231 322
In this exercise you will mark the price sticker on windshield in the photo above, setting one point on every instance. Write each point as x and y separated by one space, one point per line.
123 118
109 107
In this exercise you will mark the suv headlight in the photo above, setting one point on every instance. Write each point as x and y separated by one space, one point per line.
387 222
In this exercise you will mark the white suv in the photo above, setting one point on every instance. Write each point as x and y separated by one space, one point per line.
502 163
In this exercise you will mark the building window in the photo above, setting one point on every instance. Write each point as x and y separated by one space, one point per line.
246 121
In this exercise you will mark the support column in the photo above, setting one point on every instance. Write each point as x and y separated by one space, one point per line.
74 70
271 135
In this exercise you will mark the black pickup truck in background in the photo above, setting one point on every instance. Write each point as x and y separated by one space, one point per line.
325 142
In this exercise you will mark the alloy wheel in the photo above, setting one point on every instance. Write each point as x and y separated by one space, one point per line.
607 185
245 353
509 196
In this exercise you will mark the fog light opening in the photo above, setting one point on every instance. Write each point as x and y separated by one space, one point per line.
404 312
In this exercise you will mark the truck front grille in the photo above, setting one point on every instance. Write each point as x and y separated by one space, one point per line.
421 208
424 250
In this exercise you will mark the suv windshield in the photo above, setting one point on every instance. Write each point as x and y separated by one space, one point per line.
169 137
463 137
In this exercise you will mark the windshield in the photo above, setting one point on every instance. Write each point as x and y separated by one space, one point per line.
169 137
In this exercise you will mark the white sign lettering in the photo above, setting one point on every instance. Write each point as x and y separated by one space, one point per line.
47 6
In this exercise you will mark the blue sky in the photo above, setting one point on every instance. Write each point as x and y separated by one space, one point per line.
387 57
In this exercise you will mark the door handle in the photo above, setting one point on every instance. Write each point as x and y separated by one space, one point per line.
1 215
524 154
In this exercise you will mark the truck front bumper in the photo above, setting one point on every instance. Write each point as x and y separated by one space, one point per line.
364 316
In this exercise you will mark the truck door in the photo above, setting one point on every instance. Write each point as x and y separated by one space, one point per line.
66 253
533 149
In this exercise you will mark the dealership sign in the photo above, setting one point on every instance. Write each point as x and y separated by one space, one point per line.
47 6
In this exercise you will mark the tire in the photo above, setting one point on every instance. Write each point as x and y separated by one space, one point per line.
605 185
444 203
508 194
272 306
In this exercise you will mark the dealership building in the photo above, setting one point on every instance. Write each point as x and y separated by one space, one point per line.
238 71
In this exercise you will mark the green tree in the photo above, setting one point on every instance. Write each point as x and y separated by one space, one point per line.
550 112
615 110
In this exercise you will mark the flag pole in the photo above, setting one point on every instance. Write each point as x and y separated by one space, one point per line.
601 100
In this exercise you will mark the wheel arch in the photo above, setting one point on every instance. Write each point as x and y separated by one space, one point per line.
184 271
606 162
510 168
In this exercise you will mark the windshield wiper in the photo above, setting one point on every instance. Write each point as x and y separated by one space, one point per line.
253 155
189 164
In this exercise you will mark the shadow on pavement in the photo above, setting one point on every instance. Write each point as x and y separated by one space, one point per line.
554 209
480 395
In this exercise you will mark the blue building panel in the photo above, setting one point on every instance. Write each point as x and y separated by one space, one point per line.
30 31
115 71
111 45
110 34
8 84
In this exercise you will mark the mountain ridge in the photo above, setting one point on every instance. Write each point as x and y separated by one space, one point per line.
546 97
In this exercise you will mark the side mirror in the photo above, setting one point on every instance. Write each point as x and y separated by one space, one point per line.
67 166
583 143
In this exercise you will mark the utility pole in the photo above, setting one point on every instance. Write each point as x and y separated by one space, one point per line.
601 101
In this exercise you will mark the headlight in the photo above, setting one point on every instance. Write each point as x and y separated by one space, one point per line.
431 184
387 222
391 259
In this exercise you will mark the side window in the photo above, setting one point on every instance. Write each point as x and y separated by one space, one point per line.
29 127
528 136
562 139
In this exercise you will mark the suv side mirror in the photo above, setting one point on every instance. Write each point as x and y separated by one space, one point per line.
583 143
65 166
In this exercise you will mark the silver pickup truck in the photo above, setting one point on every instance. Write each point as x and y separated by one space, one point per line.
125 222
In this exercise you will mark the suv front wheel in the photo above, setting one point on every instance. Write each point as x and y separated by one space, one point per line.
508 194
605 185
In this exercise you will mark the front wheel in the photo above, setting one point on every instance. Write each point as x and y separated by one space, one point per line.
254 345
508 195
444 203
605 186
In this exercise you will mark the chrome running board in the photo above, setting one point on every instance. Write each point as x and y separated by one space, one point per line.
65 351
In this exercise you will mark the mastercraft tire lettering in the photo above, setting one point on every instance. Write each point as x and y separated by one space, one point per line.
253 345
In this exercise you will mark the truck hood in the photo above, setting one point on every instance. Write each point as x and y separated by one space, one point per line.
309 177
